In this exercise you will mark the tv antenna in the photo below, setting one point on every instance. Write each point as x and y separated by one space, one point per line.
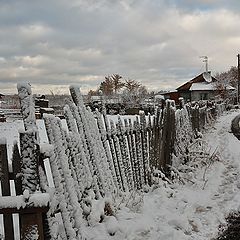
205 60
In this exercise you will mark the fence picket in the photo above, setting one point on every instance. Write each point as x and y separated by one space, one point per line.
125 153
16 165
139 156
61 173
119 156
143 127
5 184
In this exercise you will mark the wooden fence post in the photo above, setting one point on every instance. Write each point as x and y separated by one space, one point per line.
139 154
31 223
125 155
30 161
168 135
5 184
143 126
133 151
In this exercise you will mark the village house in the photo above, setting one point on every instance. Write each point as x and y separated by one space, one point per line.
201 87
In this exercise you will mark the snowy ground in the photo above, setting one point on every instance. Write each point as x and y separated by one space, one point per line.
193 210
178 211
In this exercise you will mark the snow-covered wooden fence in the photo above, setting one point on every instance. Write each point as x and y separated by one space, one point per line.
30 203
93 160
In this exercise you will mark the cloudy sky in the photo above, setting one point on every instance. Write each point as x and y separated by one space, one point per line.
56 43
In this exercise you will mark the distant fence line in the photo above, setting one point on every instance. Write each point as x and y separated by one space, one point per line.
93 160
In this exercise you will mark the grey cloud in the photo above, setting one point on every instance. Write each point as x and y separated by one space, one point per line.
51 43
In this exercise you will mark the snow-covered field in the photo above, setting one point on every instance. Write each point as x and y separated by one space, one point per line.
191 208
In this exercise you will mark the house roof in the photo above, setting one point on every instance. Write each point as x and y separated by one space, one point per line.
202 78
201 86
169 92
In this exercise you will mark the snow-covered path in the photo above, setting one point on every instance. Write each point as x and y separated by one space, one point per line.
193 210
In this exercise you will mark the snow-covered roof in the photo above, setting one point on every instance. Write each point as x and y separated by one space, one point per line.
202 86
168 92
159 96
205 86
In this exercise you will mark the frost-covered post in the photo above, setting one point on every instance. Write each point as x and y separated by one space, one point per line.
155 137
130 149
30 161
194 111
124 152
31 224
119 157
132 143
79 159
112 147
95 146
202 117
152 162
105 142
184 135
143 126
66 195
168 136
27 106
139 154
28 140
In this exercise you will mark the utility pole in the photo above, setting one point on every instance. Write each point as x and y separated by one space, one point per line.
238 92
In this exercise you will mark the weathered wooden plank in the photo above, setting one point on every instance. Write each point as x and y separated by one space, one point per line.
115 161
117 150
5 184
26 210
143 126
167 137
16 165
130 148
31 226
139 157
132 142
101 127
124 153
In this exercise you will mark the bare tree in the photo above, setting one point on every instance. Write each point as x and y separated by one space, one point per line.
117 82
132 85
226 80
111 84
107 86
134 92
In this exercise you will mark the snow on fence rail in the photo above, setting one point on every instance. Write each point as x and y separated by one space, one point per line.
93 162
